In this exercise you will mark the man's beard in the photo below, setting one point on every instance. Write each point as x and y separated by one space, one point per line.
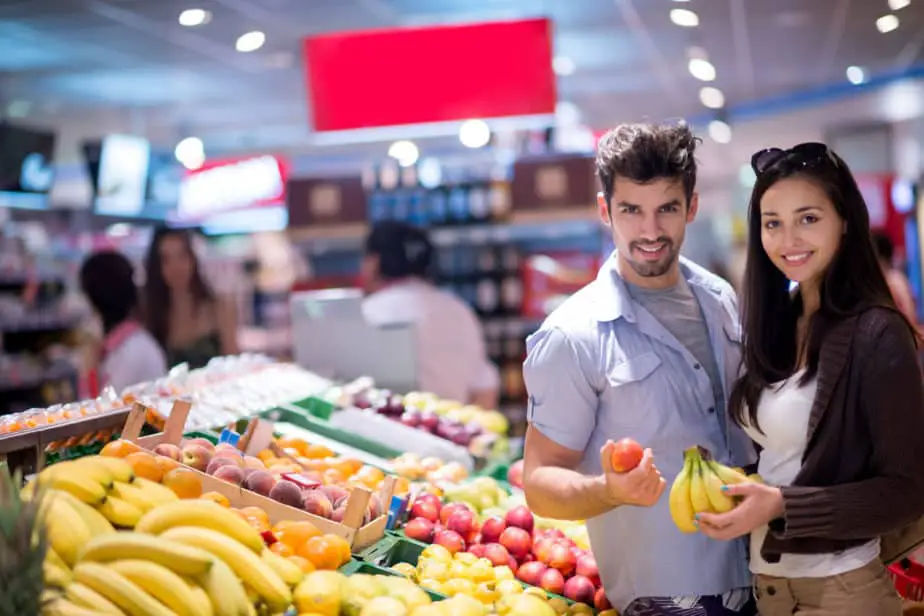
653 269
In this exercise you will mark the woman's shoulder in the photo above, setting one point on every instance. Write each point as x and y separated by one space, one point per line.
882 327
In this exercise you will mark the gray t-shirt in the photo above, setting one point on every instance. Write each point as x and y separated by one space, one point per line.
679 312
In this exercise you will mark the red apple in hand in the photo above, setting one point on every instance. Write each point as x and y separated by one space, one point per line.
517 541
492 528
627 454
552 581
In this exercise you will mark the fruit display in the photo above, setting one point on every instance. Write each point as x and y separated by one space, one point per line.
430 469
698 488
515 474
544 557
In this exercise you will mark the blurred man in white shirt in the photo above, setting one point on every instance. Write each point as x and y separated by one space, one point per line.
451 349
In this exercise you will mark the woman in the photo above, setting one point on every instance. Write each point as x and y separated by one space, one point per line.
128 354
832 393
182 312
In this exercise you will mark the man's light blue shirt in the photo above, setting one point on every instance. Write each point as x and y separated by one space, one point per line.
602 367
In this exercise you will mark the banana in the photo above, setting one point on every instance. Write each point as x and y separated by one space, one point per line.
175 556
127 595
755 478
63 607
202 606
78 469
67 532
680 504
52 557
118 468
245 564
58 577
120 512
133 496
204 514
226 592
289 572
85 489
155 492
698 497
721 502
84 596
728 475
95 521
159 582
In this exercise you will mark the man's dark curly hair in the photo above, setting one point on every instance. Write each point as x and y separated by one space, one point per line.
646 152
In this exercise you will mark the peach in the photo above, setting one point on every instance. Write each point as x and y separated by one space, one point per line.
229 473
222 447
261 482
287 493
169 450
217 463
203 442
196 456
316 502
333 493
254 463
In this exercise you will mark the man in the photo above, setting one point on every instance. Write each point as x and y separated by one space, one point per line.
649 350
896 279
452 360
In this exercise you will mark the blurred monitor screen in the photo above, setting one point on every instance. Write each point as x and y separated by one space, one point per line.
26 171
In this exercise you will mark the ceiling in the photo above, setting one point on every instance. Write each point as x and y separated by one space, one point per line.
92 61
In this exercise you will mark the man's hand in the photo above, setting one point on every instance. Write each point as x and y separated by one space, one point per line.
642 486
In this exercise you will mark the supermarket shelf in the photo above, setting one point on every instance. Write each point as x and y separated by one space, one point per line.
43 435
287 429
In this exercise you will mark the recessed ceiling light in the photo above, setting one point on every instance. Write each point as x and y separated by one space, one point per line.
897 5
194 17
474 133
855 75
190 152
887 23
684 18
251 41
702 69
405 152
712 97
563 65
720 131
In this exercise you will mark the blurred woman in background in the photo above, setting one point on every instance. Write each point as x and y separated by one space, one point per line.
128 354
182 312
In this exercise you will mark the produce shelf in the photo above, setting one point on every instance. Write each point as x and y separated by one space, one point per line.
322 409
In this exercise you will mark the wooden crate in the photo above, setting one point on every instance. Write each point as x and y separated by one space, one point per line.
352 528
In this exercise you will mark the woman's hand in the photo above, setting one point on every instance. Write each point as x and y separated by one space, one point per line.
761 504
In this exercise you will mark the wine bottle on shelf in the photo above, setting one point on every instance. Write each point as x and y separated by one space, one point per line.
416 197
499 202
458 204
479 203
378 200
438 205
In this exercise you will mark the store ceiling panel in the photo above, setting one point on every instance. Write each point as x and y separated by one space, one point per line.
619 59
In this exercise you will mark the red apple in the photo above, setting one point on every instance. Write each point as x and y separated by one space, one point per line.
561 558
554 533
626 455
473 536
521 517
450 540
515 474
578 552
420 529
580 589
512 563
426 510
479 549
552 581
497 554
427 497
516 540
542 548
450 509
492 528
600 601
531 573
587 566
462 521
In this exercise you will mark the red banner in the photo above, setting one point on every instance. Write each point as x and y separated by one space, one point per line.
431 74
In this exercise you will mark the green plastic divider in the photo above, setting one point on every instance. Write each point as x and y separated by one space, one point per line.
303 419
318 407
209 436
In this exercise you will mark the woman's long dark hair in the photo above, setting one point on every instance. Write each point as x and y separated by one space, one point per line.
156 309
852 283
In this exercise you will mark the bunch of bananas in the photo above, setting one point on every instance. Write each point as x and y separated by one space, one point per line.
185 558
698 488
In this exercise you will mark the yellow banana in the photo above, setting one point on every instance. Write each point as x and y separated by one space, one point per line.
127 595
738 469
95 521
755 478
85 489
155 492
133 496
226 592
77 470
698 497
202 606
204 514
119 469
84 596
721 502
67 532
55 559
679 499
120 512
58 577
289 572
63 607
728 475
173 555
159 582
245 564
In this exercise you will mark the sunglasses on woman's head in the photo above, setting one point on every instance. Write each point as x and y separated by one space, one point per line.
804 154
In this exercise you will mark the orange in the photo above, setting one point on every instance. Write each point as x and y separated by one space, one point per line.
119 449
297 534
333 477
342 545
184 483
258 513
352 463
402 486
144 465
370 476
283 549
221 499
317 451
323 553
166 464
266 455
303 563
289 442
